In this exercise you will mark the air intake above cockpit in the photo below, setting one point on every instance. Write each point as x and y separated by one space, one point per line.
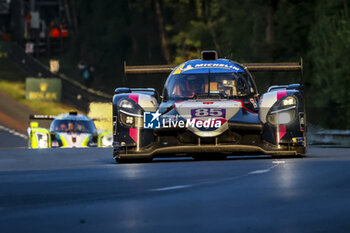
209 55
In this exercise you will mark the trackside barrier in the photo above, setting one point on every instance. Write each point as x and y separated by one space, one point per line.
329 137
73 93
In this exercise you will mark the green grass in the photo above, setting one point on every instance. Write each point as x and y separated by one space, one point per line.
17 91
12 82
15 88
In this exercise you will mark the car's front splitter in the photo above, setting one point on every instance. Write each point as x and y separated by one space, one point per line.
195 149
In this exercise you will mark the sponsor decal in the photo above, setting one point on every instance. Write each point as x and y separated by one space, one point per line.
189 67
217 65
197 123
43 89
214 119
208 112
151 120
186 67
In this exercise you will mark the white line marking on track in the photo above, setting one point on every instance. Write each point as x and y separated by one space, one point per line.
171 188
279 161
256 172
259 172
14 132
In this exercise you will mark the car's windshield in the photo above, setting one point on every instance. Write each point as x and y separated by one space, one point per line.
77 126
228 85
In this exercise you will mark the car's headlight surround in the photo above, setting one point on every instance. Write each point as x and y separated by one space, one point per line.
283 117
284 112
130 114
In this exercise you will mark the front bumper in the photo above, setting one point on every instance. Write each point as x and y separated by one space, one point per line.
240 139
182 151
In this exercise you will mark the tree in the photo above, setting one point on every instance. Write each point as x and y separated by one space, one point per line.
330 40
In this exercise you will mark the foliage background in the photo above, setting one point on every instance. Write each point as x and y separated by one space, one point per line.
109 32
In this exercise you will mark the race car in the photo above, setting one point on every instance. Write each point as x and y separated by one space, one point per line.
209 107
66 131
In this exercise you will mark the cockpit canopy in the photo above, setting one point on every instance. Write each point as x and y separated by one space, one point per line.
73 126
193 85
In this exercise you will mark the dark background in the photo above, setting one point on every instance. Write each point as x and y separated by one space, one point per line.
107 33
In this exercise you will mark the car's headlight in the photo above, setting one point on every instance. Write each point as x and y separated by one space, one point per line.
290 100
55 143
106 141
126 104
133 121
130 114
282 117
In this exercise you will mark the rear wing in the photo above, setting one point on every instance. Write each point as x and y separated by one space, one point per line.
150 69
41 117
275 66
252 67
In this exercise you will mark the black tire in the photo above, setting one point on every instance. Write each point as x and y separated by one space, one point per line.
209 157
123 161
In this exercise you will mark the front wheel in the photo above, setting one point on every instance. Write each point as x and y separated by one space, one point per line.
209 157
143 160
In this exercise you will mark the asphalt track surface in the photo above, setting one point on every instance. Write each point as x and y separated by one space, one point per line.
9 140
83 190
14 114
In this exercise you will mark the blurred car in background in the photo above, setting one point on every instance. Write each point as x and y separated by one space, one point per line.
70 130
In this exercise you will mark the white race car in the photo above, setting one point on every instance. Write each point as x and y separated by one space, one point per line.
67 131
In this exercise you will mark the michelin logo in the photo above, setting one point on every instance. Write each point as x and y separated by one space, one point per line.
151 120
217 65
